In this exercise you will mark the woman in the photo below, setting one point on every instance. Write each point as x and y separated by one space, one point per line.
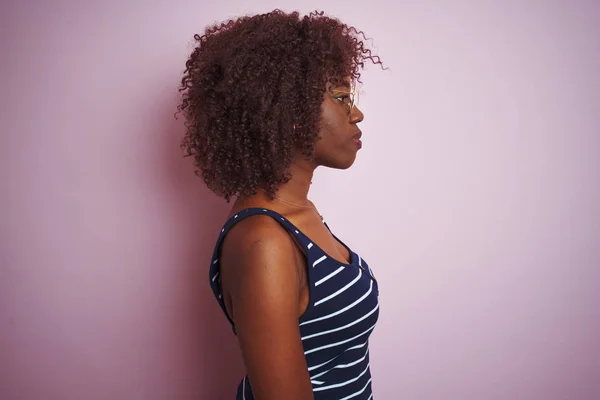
268 99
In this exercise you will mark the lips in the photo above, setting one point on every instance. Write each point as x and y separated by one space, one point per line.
356 138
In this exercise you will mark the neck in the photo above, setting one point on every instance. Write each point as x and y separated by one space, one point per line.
296 189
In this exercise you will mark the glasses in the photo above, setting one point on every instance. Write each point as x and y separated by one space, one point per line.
350 99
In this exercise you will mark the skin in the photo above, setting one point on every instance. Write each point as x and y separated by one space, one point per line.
263 270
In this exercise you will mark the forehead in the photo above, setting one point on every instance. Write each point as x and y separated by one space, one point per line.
345 84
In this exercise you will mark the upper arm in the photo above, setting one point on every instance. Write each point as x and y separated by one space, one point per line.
260 277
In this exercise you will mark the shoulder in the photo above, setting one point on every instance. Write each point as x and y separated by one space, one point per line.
260 271
255 235
259 248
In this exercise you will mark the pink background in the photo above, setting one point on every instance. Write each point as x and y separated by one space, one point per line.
476 199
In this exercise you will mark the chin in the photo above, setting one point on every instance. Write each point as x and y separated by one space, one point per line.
348 165
341 164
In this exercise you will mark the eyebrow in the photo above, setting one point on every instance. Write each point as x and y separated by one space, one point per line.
343 84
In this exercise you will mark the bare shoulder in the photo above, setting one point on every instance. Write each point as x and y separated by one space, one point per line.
258 254
256 237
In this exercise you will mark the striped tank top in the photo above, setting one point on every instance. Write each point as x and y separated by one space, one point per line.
335 329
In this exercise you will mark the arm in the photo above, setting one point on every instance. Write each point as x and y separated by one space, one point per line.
261 283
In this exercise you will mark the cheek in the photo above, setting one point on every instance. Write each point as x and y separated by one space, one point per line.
332 129
329 140
333 116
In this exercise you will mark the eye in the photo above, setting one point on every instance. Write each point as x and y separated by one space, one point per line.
344 98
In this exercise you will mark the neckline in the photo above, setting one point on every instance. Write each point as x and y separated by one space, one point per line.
352 254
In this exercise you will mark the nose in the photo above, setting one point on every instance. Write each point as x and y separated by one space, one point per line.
356 115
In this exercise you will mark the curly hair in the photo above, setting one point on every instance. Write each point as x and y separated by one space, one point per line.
252 91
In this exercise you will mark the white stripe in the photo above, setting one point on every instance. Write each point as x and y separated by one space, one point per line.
343 383
331 296
331 275
359 392
316 382
358 346
310 245
215 277
338 343
216 261
364 296
319 260
359 261
370 397
244 389
342 327
343 365
235 216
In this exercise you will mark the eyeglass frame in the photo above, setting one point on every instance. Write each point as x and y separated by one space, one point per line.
353 95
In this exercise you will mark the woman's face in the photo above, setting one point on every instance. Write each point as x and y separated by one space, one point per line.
339 133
